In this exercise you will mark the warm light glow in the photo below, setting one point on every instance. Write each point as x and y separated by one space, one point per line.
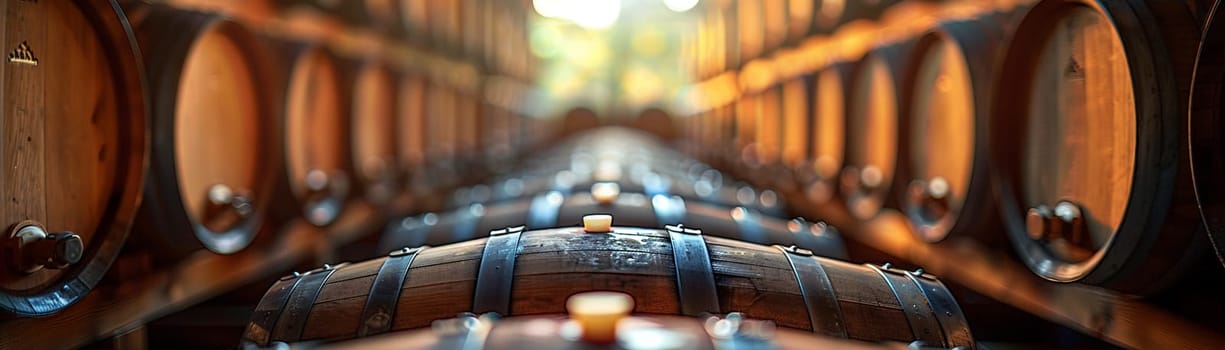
551 8
680 5
596 14
591 14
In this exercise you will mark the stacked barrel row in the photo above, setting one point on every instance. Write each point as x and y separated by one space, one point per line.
673 233
198 132
1060 124
490 32
633 177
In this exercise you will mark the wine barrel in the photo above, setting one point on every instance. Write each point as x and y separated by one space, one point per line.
944 127
800 15
441 170
733 331
554 209
413 131
656 122
704 185
796 116
517 272
818 176
380 15
872 122
768 125
373 126
73 105
635 161
315 171
468 139
1089 143
1207 128
831 14
500 130
749 30
210 175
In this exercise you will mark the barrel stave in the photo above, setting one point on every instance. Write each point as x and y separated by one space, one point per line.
865 306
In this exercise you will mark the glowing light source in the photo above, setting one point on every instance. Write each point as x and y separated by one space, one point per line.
591 14
551 8
680 5
595 14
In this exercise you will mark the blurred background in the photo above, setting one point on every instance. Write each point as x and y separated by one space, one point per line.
233 173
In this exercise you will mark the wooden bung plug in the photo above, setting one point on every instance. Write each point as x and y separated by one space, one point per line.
600 223
597 314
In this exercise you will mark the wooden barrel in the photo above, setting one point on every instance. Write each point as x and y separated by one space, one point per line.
796 128
800 15
1206 128
1089 143
657 122
768 121
74 127
733 331
374 136
728 151
468 139
579 119
636 163
500 129
830 14
441 137
211 173
414 16
944 127
315 171
553 209
819 174
872 122
380 15
525 273
412 131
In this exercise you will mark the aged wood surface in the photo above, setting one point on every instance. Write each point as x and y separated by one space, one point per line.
553 264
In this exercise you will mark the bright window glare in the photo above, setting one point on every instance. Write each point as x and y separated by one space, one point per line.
680 5
592 14
596 14
551 8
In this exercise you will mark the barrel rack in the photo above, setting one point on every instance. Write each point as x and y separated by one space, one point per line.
1119 319
117 308
112 310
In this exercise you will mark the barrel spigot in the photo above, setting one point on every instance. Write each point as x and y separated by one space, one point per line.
930 198
226 207
1063 222
33 248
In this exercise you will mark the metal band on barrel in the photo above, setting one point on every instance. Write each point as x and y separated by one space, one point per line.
380 311
293 319
923 324
544 210
269 310
948 313
497 271
824 314
695 281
